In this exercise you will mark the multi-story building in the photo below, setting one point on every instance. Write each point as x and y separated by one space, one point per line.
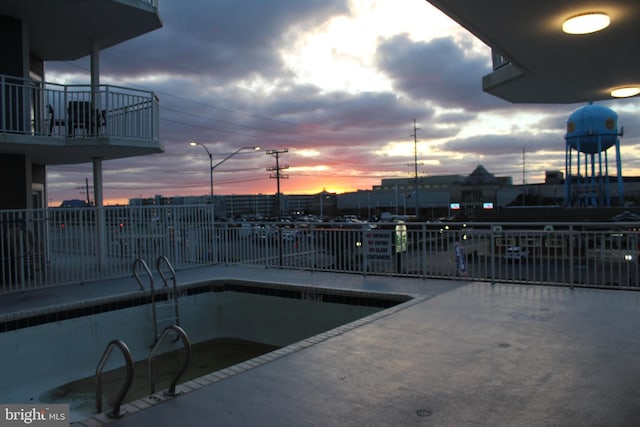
44 123
234 206
436 196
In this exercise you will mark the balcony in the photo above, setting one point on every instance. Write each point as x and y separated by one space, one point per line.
62 124
59 30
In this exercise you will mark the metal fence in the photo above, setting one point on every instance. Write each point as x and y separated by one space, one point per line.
59 246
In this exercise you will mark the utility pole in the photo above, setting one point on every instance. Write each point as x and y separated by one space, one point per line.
415 163
523 175
86 185
524 167
86 191
277 175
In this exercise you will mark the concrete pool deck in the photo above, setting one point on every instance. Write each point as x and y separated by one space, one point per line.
461 353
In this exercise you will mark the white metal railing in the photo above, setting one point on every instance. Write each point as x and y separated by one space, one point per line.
57 246
36 108
153 3
498 60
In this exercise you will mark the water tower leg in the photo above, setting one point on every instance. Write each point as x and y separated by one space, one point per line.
619 171
567 175
606 183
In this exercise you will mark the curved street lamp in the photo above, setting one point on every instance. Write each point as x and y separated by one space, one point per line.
212 166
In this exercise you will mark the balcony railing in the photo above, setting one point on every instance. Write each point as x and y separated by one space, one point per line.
498 60
35 108
50 247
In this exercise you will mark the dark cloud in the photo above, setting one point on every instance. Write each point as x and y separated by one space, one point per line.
455 118
224 39
629 123
490 145
440 71
363 113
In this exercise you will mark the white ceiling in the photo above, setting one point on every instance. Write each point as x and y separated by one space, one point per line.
547 65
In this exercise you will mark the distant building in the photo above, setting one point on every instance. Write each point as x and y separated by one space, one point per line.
438 196
234 206
74 203
553 178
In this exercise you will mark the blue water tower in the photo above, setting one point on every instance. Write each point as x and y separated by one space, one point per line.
591 131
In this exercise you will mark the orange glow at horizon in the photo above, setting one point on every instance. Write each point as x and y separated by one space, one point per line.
293 185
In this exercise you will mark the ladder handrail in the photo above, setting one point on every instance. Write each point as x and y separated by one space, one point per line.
116 411
152 357
162 258
140 261
159 263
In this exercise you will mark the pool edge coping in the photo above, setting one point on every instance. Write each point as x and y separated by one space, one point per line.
250 364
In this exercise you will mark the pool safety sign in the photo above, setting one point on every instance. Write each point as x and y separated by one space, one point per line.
377 245
43 415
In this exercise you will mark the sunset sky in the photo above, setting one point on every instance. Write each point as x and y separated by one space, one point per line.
338 83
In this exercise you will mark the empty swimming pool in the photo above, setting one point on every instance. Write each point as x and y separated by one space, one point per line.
52 349
206 357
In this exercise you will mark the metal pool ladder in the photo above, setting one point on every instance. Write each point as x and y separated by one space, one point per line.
116 411
169 307
171 391
170 303
140 262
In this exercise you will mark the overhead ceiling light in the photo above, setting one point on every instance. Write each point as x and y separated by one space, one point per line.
586 23
625 92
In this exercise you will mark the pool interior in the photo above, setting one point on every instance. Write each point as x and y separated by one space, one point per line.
229 350
206 357
14 321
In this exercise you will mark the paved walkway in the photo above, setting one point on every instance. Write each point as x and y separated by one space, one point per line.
460 354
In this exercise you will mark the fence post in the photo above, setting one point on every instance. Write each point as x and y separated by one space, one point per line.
363 253
3 99
423 254
571 260
496 230
107 110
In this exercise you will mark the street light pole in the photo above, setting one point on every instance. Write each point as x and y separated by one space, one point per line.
233 154
193 144
212 166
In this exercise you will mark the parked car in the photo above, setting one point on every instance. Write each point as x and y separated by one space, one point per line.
516 253
614 247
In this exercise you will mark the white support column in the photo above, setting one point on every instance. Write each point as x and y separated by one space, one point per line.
95 62
28 181
97 182
25 113
95 74
101 248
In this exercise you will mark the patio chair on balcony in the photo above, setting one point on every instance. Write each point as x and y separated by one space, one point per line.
82 115
53 122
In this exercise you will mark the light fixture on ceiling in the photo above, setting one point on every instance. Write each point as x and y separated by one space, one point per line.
625 92
586 23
